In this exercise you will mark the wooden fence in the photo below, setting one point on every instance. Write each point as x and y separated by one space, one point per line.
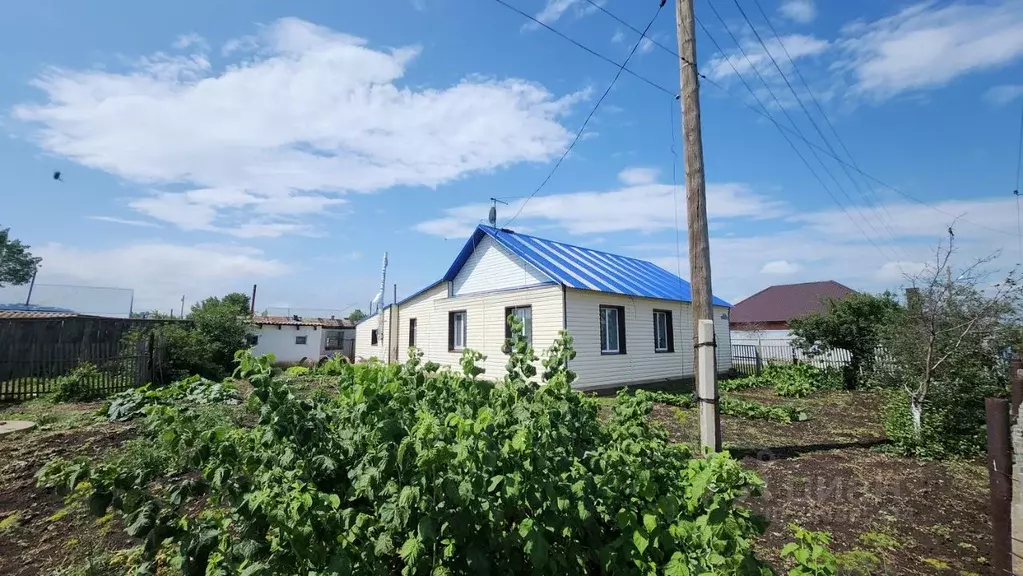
118 366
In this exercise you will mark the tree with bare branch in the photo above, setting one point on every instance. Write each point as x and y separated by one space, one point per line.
947 347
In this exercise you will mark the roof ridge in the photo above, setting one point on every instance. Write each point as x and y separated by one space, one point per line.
616 255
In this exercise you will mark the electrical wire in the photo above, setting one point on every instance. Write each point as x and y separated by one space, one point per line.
872 200
579 134
783 129
795 126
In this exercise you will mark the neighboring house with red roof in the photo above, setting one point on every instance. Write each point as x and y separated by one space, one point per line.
765 315
292 339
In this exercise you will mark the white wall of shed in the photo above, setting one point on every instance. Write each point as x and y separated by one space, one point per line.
493 267
279 340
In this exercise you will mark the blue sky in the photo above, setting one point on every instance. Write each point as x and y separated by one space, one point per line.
206 147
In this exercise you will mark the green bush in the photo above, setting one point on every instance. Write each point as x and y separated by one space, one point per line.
296 371
331 366
800 380
953 422
810 553
415 471
751 410
746 383
78 385
192 390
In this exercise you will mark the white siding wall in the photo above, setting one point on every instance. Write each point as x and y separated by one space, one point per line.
484 323
640 363
280 341
764 337
493 267
364 348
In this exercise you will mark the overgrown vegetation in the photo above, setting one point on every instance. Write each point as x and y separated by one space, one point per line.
206 343
788 380
194 390
854 323
417 470
810 553
948 348
77 386
751 410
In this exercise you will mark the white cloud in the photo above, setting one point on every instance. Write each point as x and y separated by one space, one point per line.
638 175
309 114
645 45
780 267
928 45
719 67
159 272
1004 94
618 37
125 221
191 40
802 11
552 11
641 208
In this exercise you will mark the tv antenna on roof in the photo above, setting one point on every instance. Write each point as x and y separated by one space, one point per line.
493 211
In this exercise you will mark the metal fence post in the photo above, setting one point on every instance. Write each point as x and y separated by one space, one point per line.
999 462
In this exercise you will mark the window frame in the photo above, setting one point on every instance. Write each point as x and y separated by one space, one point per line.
508 311
669 331
304 342
602 330
374 337
253 340
451 330
413 328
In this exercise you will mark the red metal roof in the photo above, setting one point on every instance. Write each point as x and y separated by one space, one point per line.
303 321
786 301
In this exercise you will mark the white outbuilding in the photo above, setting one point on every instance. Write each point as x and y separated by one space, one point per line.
296 339
630 320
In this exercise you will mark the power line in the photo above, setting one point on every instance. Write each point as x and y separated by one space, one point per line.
578 135
787 139
766 115
873 203
795 126
784 129
590 50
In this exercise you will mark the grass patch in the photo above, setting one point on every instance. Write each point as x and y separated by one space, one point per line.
50 416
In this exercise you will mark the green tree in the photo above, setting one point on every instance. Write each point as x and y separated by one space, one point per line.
853 323
948 349
238 301
357 315
16 263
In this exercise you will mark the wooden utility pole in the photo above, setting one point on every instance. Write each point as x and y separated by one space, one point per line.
696 219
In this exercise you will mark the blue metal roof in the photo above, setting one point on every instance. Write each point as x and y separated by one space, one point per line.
584 268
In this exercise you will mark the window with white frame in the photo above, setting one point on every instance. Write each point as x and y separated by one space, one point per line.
664 337
456 330
374 337
525 316
612 330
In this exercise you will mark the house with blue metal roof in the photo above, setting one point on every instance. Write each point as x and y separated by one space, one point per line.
630 319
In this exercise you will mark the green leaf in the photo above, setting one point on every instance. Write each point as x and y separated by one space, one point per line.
788 549
410 549
494 482
526 527
676 566
640 541
334 500
649 522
